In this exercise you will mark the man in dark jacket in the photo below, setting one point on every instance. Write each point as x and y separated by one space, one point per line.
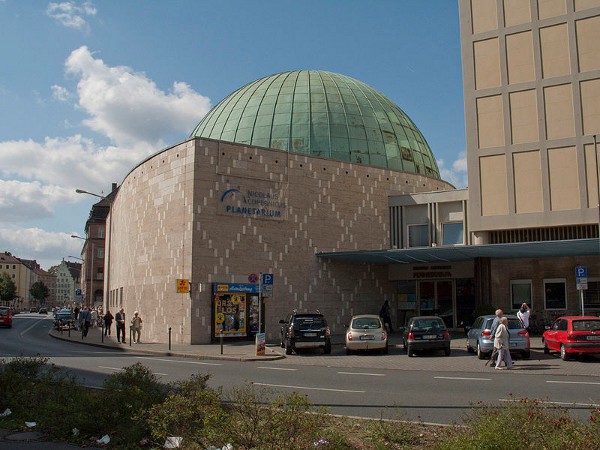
120 319
108 319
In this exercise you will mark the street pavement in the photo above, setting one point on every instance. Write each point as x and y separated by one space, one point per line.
459 361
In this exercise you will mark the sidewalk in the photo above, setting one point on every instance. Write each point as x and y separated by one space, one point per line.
231 351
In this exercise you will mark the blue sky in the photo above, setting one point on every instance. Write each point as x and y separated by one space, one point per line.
90 88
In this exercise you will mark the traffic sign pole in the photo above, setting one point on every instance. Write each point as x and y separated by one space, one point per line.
260 302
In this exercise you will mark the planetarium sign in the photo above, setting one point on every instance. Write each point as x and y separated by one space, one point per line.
259 200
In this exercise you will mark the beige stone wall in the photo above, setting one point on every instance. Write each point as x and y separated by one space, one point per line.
531 74
169 221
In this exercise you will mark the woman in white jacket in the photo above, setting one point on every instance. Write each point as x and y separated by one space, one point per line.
523 314
501 343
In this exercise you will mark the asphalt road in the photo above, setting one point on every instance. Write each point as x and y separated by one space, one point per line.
433 389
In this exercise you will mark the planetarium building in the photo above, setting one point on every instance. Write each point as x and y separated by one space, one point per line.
284 170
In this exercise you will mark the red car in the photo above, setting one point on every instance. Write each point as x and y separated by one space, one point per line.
573 335
5 316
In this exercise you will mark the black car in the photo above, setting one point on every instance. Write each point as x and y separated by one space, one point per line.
426 333
305 330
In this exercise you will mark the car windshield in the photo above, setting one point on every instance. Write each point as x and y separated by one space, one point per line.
309 322
427 324
586 325
366 324
3 311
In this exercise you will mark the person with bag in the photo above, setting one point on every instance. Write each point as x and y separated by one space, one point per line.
136 326
108 320
501 343
523 314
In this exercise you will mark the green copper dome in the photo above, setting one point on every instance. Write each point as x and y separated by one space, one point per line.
321 114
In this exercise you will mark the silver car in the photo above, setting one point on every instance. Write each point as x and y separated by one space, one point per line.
366 332
480 340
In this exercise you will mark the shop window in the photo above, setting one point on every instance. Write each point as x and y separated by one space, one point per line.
418 235
453 233
520 292
555 294
591 296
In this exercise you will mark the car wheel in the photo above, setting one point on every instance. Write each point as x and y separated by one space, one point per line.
527 354
480 354
404 345
546 349
385 350
410 351
469 348
327 348
563 353
282 343
288 348
447 351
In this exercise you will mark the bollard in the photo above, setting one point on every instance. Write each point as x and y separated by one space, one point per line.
69 328
221 339
130 335
169 338
102 331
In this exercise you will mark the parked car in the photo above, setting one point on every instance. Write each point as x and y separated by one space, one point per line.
64 319
43 311
366 332
573 335
481 341
426 333
6 316
33 310
305 330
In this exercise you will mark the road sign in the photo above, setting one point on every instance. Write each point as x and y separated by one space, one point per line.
253 278
78 292
581 277
183 285
267 278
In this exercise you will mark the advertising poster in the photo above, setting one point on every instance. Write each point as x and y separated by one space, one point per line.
230 314
261 342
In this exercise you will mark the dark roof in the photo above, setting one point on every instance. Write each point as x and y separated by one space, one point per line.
546 249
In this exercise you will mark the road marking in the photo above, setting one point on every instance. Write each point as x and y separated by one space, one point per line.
363 373
276 368
28 328
308 388
158 373
182 362
573 382
463 378
111 368
589 405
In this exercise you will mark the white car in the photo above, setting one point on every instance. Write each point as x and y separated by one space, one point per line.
366 332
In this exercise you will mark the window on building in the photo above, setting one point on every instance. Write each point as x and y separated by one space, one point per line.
13 275
14 266
453 233
100 254
555 294
520 292
418 235
100 274
591 296
101 233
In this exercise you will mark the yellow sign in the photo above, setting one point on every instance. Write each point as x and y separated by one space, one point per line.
183 286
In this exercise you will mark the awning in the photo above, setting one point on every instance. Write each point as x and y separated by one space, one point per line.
546 249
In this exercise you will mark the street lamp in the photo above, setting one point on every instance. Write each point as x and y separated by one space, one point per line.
81 191
75 257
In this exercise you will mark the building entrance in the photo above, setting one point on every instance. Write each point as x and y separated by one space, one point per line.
435 297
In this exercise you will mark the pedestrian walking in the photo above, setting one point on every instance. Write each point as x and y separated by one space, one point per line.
85 320
136 326
120 323
108 320
502 344
386 316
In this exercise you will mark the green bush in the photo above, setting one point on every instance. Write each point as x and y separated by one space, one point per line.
522 424
391 434
191 411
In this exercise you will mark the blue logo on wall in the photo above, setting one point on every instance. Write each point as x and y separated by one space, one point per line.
258 203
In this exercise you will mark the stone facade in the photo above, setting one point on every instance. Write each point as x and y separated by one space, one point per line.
211 211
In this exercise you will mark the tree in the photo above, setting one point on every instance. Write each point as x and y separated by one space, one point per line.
39 291
8 288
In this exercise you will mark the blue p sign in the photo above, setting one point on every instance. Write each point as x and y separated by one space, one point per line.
267 278
581 272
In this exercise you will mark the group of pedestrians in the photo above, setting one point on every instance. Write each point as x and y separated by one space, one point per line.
501 335
119 318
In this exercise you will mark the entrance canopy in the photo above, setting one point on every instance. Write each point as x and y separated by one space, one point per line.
546 249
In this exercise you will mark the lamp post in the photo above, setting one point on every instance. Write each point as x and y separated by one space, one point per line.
90 298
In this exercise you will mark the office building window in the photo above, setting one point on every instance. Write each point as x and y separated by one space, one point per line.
453 233
520 292
555 294
418 235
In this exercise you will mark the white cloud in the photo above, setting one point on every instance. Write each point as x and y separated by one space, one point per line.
72 14
26 201
127 107
47 248
456 174
60 93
